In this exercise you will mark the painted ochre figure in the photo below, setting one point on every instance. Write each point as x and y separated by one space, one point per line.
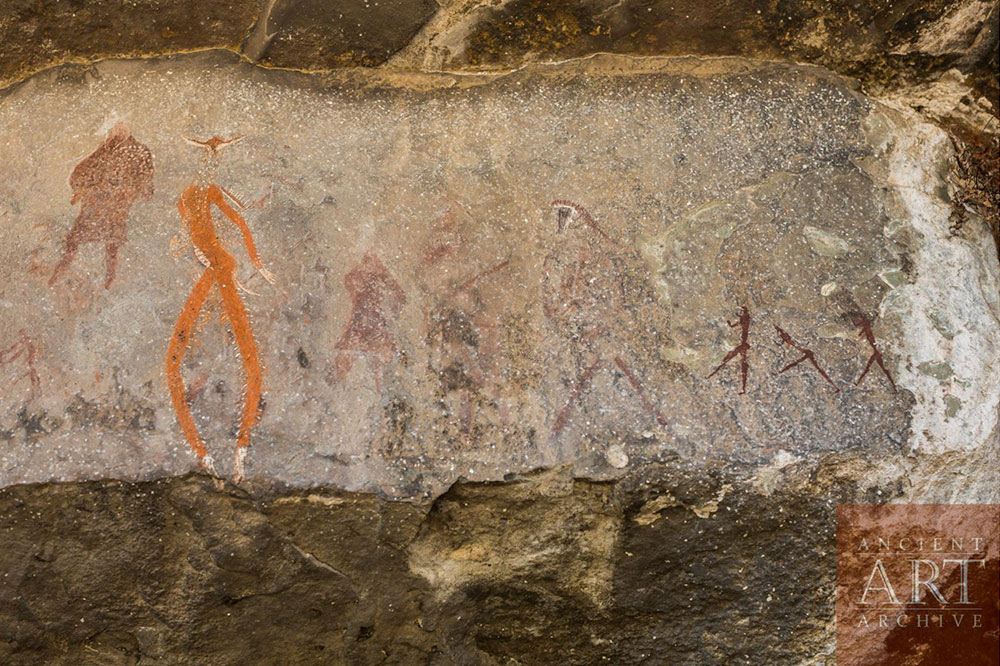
807 355
864 326
23 349
376 299
106 184
220 272
741 349
462 329
584 302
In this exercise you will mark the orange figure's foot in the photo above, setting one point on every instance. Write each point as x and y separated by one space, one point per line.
207 463
239 463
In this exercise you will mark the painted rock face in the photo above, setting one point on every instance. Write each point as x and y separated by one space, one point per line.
718 266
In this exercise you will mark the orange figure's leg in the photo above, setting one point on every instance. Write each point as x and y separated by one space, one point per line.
240 322
179 342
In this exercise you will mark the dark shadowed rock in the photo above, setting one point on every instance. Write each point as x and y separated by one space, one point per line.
35 35
541 569
317 34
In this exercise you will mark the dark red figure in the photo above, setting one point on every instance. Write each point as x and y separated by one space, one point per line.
107 183
865 331
24 348
807 355
376 298
741 349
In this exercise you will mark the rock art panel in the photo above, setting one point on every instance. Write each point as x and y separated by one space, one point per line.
620 278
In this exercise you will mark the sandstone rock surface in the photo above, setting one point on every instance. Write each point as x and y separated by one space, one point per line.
570 364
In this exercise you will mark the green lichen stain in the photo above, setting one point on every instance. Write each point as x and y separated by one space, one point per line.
952 406
939 370
893 278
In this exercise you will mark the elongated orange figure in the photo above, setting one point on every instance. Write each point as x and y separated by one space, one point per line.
220 271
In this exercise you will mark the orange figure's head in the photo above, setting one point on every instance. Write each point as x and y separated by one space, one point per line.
210 155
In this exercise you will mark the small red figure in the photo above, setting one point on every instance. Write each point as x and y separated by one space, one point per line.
865 331
807 355
26 348
376 299
741 349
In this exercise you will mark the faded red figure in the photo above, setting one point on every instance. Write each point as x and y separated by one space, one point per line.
106 184
23 349
376 298
585 298
467 297
741 349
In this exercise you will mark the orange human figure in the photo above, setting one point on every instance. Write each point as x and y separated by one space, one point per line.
195 205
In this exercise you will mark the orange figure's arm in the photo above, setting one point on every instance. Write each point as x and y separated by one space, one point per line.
215 195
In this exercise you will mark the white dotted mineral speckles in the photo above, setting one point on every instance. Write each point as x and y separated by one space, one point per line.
616 456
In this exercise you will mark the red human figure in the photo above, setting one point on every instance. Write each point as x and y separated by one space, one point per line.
462 323
107 183
24 348
639 391
585 302
807 355
195 207
865 331
376 297
741 349
582 382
